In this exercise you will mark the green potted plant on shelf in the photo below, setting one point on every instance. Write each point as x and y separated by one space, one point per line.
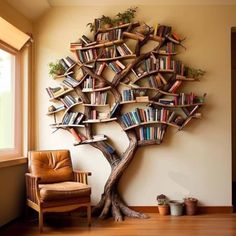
190 205
195 73
163 205
126 16
56 68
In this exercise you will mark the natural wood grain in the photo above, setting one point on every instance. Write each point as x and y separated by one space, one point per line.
200 225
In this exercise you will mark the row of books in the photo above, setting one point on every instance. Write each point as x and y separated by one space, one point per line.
56 91
98 98
175 86
70 81
169 48
114 34
127 95
181 99
163 30
157 81
146 66
94 115
107 52
89 83
67 62
99 68
72 118
116 66
69 100
151 133
149 114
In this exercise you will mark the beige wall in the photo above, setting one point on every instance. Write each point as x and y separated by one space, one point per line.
196 161
12 183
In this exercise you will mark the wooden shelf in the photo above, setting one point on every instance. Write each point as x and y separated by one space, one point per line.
90 141
99 120
75 104
130 56
96 105
150 123
145 75
64 75
177 106
66 126
65 92
134 101
133 36
56 111
184 78
101 45
134 24
149 142
151 88
90 90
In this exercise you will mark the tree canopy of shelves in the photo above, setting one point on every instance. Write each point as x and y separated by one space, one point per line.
124 64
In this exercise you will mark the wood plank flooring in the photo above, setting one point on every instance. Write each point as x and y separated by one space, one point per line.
199 225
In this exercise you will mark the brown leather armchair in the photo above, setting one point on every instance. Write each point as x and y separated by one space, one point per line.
53 186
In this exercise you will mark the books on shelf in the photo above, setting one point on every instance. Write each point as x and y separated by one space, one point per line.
111 35
123 49
127 95
175 86
151 133
70 81
114 109
57 91
72 118
100 68
78 137
146 115
69 100
98 98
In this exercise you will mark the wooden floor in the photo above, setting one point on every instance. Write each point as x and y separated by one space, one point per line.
200 225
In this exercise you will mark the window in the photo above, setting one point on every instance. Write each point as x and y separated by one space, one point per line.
10 117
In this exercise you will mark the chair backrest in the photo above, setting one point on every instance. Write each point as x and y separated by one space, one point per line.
51 166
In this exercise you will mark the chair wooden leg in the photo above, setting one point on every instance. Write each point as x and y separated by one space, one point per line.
89 214
40 221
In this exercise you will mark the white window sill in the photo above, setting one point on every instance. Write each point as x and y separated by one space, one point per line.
7 162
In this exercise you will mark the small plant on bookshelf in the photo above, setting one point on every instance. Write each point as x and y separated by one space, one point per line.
195 73
126 16
56 68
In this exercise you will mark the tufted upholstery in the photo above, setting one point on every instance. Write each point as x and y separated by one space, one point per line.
63 190
51 166
53 186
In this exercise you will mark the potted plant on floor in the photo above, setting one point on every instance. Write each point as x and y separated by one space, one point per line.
163 205
176 207
190 205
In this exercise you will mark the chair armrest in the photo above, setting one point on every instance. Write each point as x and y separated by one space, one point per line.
32 189
81 176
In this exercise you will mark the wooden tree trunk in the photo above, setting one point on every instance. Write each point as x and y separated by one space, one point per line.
111 203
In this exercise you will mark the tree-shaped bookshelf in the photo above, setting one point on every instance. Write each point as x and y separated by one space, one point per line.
149 80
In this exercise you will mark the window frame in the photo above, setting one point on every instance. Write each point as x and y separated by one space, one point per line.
9 153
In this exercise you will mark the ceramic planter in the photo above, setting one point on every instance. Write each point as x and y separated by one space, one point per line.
176 208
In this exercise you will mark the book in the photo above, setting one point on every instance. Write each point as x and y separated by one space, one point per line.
114 109
77 137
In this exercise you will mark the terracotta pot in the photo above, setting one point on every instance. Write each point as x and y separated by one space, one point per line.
164 210
190 206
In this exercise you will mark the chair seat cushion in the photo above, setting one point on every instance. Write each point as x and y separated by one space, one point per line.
63 191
